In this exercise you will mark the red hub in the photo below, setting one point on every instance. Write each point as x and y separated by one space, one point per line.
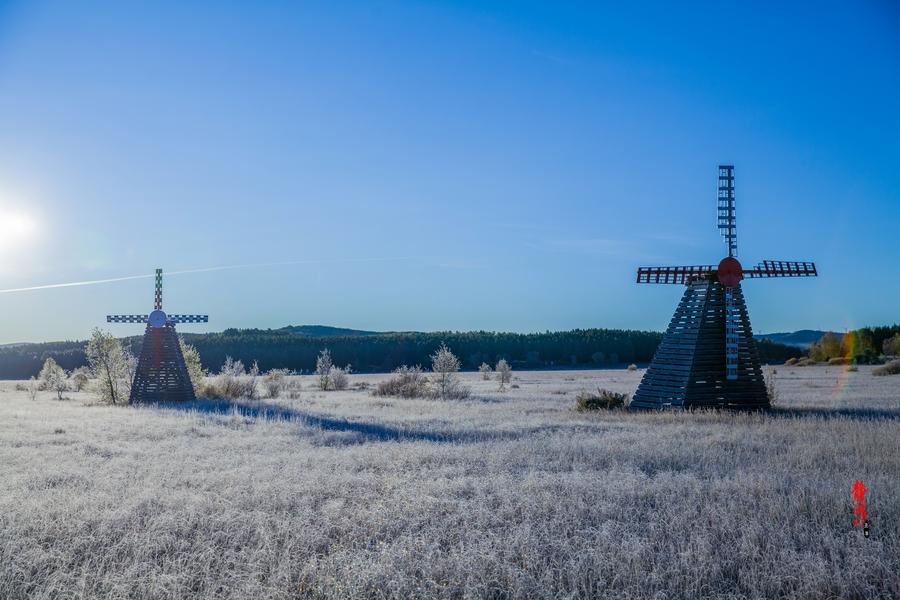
730 271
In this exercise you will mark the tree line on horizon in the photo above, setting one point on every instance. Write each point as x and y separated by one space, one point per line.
279 349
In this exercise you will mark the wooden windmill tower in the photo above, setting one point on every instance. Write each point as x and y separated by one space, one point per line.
708 356
161 374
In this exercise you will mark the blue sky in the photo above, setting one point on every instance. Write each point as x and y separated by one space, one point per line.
516 161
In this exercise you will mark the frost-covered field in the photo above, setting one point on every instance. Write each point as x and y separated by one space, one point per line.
512 494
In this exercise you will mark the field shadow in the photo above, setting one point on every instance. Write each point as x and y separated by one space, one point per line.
363 431
855 414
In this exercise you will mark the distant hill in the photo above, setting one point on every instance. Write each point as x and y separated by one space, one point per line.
799 339
326 331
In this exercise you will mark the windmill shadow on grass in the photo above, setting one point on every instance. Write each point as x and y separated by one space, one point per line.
366 431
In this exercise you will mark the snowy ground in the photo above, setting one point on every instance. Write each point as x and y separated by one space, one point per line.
341 494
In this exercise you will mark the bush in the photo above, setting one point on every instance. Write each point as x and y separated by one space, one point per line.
852 369
603 399
805 362
632 367
839 360
407 382
233 382
340 379
791 361
275 382
891 346
892 368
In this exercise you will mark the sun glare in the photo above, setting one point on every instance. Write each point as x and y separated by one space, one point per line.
16 229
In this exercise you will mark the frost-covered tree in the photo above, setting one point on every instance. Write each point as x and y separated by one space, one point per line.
485 370
79 378
504 372
57 381
445 365
47 371
323 369
112 365
194 367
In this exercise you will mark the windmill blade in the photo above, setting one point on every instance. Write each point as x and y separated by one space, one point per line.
189 318
782 268
157 298
126 318
731 336
727 224
673 275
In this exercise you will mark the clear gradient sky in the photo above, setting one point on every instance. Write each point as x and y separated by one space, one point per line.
521 159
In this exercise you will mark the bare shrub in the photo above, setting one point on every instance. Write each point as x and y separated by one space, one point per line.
445 366
892 368
504 372
632 367
32 388
111 365
603 399
340 378
323 369
407 382
485 370
275 382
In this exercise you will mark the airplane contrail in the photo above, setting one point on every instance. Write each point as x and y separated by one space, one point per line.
205 270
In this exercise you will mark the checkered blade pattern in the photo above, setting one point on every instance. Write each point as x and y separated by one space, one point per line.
782 268
157 298
188 318
674 275
727 225
126 318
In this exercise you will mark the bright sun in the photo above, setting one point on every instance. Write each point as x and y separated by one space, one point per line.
16 229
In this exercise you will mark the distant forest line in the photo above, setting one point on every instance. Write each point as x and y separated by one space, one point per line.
372 353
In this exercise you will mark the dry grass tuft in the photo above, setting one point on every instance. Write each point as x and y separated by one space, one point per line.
603 399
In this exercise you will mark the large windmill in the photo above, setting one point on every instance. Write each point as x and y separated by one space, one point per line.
161 374
708 356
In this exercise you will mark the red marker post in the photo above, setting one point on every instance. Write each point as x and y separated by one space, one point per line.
859 506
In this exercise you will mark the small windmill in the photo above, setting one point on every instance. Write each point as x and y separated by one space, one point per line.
161 374
708 356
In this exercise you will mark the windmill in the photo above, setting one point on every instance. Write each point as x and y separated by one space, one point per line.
161 374
708 356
